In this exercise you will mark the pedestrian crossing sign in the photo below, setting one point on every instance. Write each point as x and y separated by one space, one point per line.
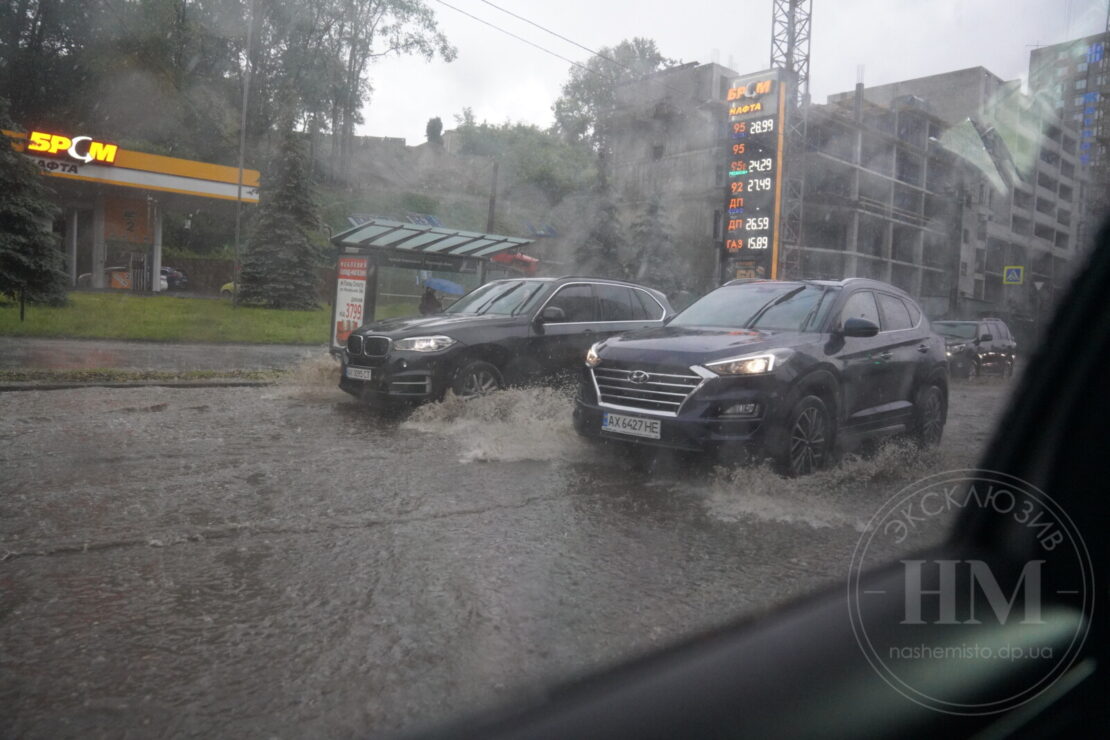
1013 275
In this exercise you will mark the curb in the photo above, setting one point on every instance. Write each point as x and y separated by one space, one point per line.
9 387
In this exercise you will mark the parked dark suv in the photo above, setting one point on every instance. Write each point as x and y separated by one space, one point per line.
786 369
506 331
975 347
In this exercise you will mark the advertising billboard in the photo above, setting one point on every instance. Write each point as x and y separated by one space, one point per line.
753 157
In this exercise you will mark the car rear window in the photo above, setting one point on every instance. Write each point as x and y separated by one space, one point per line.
615 303
895 315
915 312
650 310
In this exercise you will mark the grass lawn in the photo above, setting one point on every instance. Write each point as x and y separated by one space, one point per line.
165 318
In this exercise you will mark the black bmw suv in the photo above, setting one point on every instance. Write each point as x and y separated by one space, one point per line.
793 370
505 332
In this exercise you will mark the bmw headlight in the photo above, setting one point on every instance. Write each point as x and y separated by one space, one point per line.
755 364
592 357
423 344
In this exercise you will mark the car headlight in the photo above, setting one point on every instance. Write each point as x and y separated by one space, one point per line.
757 364
956 348
423 344
592 357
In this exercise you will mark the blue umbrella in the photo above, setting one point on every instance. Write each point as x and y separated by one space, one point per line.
444 286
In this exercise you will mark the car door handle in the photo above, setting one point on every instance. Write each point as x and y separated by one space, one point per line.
922 348
886 355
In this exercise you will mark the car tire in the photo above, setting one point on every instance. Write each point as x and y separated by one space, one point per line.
476 378
928 414
807 437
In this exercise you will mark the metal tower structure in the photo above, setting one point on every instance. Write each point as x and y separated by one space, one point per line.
790 29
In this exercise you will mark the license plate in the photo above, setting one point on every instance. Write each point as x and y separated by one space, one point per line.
634 426
360 373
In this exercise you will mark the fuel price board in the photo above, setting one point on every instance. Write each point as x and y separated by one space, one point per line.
753 158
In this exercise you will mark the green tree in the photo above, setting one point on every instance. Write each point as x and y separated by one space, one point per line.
167 75
434 131
529 155
589 97
279 268
601 251
656 260
31 265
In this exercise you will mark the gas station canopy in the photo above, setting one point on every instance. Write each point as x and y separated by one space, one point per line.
382 234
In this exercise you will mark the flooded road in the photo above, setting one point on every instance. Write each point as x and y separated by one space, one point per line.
280 562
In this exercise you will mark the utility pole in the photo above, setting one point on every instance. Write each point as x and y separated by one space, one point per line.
242 151
790 32
492 198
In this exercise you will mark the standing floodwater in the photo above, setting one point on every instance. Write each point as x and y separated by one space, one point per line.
280 561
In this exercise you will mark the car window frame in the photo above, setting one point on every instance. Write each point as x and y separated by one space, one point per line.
597 309
839 316
882 313
593 294
654 300
597 299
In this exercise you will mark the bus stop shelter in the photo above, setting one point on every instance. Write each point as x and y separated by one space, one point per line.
379 260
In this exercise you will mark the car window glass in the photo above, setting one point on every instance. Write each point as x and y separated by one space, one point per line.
915 313
895 315
649 307
956 329
860 305
577 302
614 302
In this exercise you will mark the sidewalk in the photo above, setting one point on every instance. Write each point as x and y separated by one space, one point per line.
18 353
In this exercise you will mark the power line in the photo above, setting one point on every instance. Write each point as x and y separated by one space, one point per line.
553 33
518 38
559 36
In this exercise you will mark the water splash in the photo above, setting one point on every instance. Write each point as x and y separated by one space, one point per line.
845 495
507 426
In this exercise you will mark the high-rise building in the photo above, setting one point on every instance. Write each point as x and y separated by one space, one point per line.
937 185
1073 78
1021 186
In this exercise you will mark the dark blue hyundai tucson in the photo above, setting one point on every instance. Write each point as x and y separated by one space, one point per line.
790 370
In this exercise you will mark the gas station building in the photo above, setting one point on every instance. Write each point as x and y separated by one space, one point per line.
113 201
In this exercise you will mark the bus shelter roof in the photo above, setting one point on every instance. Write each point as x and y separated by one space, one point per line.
415 238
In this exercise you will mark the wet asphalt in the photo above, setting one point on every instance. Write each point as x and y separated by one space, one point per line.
281 562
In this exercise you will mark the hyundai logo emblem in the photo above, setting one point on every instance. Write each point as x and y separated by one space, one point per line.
639 376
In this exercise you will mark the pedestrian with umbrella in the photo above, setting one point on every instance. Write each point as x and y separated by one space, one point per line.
429 303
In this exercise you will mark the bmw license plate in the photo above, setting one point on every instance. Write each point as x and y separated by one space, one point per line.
360 373
634 426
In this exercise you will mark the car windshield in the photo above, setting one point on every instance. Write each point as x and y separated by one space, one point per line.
767 306
504 298
288 447
957 330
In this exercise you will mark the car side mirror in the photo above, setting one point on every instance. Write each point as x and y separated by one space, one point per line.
552 314
855 327
986 338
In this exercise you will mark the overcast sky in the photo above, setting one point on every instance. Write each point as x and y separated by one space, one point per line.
502 78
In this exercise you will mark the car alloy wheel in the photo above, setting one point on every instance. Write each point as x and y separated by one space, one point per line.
930 415
808 440
476 379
